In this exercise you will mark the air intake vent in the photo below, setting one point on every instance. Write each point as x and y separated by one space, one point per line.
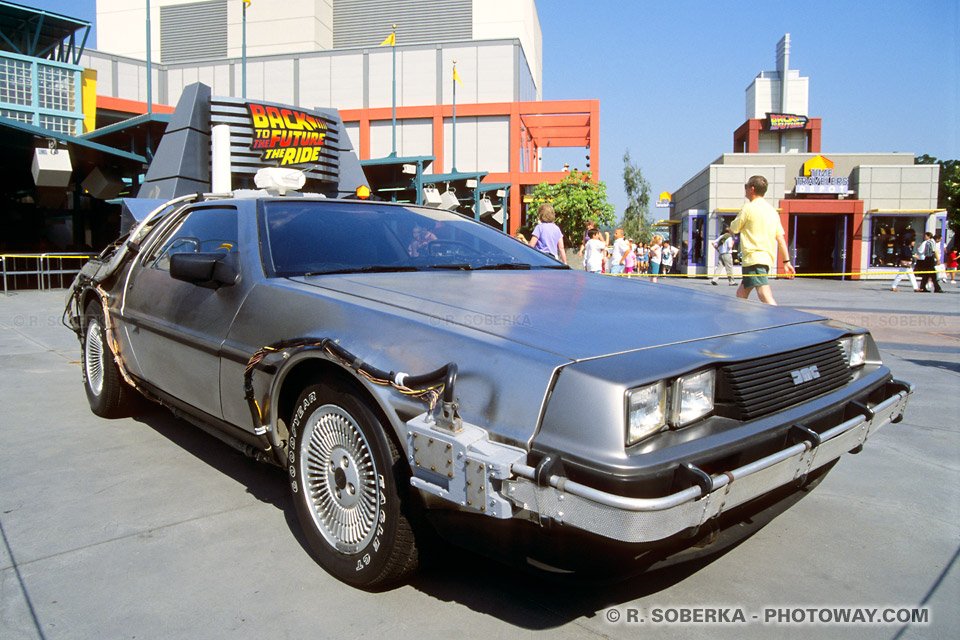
766 385
195 31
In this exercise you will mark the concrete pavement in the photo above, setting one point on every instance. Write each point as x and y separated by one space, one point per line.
147 527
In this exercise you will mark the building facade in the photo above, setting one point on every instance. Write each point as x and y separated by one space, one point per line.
845 214
330 54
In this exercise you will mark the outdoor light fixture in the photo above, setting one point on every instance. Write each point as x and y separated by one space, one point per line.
483 206
431 197
471 184
410 169
449 200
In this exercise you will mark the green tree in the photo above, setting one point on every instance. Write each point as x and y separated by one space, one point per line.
635 223
576 199
948 195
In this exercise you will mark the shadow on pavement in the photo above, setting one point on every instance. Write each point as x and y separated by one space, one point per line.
523 596
937 364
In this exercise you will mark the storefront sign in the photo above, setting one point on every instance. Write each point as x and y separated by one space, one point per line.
286 136
664 200
785 121
822 181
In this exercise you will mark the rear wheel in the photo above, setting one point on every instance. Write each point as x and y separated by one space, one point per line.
345 474
109 396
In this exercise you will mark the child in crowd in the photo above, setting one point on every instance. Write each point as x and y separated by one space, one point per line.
593 252
630 259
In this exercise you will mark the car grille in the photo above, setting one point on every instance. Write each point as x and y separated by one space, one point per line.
765 385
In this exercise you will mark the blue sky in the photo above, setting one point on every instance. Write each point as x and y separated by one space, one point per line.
670 76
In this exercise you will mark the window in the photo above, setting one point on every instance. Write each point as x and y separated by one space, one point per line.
206 230
888 235
334 237
15 82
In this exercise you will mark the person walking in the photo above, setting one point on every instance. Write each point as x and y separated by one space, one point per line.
905 261
724 247
761 234
618 255
952 259
547 236
667 254
656 249
926 263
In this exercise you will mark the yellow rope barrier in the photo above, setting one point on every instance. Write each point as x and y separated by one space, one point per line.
776 275
47 255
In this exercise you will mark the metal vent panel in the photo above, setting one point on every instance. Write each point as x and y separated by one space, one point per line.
769 384
366 23
194 31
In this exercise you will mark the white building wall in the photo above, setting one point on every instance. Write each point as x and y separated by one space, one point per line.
306 26
414 137
907 187
497 19
417 77
763 95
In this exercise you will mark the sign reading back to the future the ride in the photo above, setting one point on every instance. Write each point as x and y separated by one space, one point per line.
277 135
286 136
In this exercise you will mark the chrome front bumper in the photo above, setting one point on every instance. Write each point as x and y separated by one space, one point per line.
637 520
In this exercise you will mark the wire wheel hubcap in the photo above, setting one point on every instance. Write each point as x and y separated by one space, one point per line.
93 357
340 476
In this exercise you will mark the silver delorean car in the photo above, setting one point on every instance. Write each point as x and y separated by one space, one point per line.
414 371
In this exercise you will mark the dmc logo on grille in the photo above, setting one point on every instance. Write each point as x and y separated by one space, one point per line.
805 375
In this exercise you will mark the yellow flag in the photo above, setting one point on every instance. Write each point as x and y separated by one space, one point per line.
456 76
391 40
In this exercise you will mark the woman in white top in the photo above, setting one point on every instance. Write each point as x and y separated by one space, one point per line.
656 248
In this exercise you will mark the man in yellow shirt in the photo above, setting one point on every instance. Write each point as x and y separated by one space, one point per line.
760 235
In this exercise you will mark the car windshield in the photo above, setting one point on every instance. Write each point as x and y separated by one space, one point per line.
307 237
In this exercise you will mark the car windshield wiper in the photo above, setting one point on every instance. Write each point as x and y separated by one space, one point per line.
377 268
454 266
506 265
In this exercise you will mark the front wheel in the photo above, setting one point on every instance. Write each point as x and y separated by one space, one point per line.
345 473
109 396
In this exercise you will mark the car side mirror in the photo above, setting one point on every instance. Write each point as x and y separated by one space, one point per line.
209 270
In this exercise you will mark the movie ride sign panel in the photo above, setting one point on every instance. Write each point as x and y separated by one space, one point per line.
270 134
286 136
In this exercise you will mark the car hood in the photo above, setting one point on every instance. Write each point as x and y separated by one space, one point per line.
569 313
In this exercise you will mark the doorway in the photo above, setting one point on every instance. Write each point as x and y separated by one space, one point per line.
819 244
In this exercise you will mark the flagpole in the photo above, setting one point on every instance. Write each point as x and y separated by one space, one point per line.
454 163
394 47
243 54
149 65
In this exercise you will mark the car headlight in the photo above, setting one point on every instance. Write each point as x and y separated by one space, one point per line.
854 349
692 397
646 411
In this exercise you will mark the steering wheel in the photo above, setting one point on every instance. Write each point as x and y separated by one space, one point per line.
437 248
